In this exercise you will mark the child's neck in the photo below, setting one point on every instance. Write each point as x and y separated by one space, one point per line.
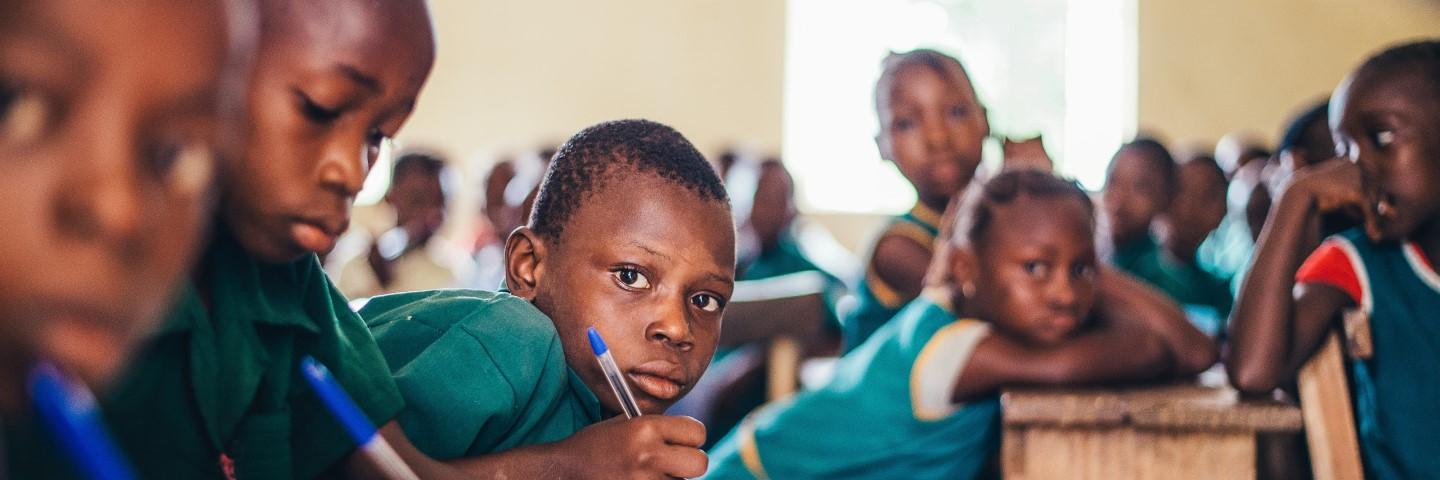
1427 237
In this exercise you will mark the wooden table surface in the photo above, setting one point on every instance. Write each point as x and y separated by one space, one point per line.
1165 431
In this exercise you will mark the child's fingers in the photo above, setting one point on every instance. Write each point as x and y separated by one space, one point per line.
678 430
681 462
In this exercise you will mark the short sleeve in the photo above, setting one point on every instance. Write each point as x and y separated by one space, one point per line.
1337 264
937 369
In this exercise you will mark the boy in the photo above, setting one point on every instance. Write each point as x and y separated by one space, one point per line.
919 399
109 147
932 127
1139 185
631 235
1387 127
409 256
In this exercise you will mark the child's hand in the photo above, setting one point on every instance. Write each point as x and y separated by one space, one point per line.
650 446
1335 186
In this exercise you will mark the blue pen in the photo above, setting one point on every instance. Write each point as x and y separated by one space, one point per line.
355 422
612 375
68 409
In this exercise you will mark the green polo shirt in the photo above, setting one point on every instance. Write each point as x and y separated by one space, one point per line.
481 372
225 381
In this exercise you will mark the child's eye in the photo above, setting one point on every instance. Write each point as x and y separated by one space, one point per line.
1384 138
903 124
959 111
1083 270
373 140
23 115
631 277
1037 269
316 113
184 167
707 302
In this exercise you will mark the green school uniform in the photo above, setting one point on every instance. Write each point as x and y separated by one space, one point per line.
877 300
887 413
218 393
481 372
1205 297
1395 391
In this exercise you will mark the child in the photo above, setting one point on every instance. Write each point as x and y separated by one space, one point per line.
932 127
1198 209
409 256
919 399
631 235
109 156
1386 124
216 392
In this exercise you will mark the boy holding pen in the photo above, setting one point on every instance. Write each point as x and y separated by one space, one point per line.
630 234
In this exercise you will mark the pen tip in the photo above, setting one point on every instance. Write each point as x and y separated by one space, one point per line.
596 343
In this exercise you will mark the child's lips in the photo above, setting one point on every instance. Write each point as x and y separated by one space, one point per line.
313 237
660 379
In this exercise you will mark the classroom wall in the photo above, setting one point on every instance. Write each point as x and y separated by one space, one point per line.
512 74
1208 68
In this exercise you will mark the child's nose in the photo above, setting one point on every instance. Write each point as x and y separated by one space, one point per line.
343 168
100 201
1061 292
672 329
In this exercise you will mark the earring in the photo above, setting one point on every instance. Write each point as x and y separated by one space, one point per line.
967 289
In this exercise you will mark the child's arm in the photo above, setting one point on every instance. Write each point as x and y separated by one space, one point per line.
649 446
1111 353
1123 299
1142 335
1277 324
901 262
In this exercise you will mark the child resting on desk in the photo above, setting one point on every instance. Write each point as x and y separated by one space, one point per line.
1385 118
631 234
919 398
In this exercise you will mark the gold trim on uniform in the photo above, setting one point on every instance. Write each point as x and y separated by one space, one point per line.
749 451
924 214
952 345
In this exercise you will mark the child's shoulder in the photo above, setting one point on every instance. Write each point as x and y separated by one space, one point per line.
500 325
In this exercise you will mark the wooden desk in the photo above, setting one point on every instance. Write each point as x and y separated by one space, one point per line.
1169 432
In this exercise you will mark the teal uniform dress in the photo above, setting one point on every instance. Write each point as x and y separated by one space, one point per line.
217 392
1205 297
887 413
1396 392
878 302
481 372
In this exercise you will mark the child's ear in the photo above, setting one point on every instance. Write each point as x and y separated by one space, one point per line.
964 269
524 262
984 121
882 143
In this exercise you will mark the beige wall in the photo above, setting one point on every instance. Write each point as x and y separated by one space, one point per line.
512 74
1209 67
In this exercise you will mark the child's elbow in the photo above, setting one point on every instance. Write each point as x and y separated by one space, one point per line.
1252 379
1196 358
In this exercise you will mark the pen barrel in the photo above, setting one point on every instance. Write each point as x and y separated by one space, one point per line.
618 385
385 458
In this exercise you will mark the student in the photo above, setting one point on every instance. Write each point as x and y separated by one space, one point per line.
920 398
216 392
109 155
1387 127
1139 185
932 127
1198 209
1306 140
409 256
630 235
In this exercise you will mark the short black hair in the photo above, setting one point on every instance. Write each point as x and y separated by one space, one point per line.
893 63
1159 156
417 162
1295 134
594 157
976 211
1422 54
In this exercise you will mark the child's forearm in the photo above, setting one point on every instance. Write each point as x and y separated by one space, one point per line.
1261 327
535 461
1126 301
1113 353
